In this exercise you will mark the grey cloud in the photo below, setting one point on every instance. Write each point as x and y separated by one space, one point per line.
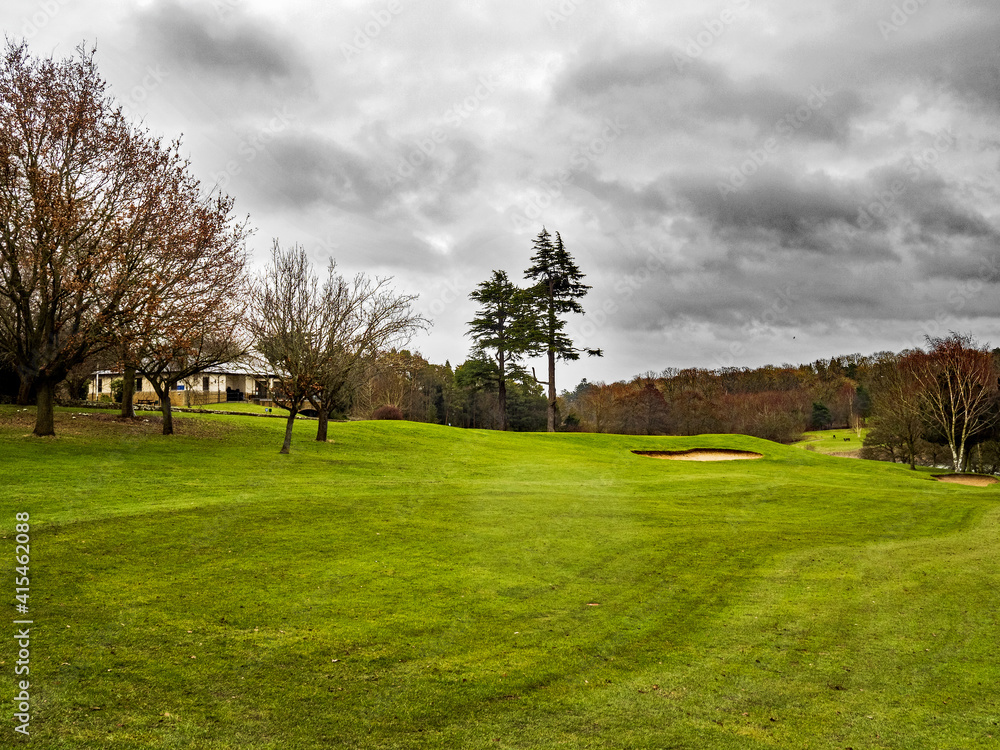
925 198
302 170
235 49
655 86
963 58
772 200
651 201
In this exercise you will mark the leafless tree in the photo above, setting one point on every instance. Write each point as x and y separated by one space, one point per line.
896 405
286 319
316 338
361 319
958 389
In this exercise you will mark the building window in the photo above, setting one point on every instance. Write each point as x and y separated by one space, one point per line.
204 384
100 384
138 384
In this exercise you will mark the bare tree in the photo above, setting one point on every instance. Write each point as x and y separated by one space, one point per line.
81 192
958 389
316 340
897 406
857 423
361 318
286 319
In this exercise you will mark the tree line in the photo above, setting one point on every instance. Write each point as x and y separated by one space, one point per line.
933 406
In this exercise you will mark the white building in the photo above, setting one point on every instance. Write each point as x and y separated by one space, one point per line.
211 387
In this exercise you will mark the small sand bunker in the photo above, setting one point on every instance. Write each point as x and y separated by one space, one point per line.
701 454
973 480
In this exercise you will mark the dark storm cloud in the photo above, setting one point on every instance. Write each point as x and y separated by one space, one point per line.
451 177
963 59
794 207
656 88
301 170
649 203
234 48
935 207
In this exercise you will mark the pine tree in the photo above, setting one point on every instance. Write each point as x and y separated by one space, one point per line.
558 286
507 327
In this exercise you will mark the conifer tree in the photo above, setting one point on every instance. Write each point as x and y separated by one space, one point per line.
558 286
507 327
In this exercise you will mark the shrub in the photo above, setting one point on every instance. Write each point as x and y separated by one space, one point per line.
387 412
117 390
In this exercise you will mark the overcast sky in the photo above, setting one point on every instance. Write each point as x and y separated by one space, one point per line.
742 182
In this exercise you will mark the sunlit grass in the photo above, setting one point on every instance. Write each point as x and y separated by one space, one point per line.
832 441
415 586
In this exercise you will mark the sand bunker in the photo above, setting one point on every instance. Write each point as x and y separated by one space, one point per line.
973 480
701 454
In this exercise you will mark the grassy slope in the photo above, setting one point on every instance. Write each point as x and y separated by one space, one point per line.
794 601
832 441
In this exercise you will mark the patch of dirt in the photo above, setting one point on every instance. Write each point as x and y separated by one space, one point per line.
79 423
701 454
972 480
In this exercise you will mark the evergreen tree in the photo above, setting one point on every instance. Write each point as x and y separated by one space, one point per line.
505 325
558 285
821 417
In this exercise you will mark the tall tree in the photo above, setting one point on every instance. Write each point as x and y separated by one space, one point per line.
81 193
506 326
558 287
958 389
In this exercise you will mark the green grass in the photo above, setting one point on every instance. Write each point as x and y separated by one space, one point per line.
244 407
415 586
832 441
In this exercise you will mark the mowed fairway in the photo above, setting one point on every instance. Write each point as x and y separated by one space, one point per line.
417 586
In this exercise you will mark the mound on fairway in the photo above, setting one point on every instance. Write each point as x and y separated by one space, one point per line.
702 454
972 480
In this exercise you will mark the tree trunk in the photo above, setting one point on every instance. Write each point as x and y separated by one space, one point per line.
128 391
167 412
44 412
321 429
163 393
552 391
24 391
502 393
286 448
